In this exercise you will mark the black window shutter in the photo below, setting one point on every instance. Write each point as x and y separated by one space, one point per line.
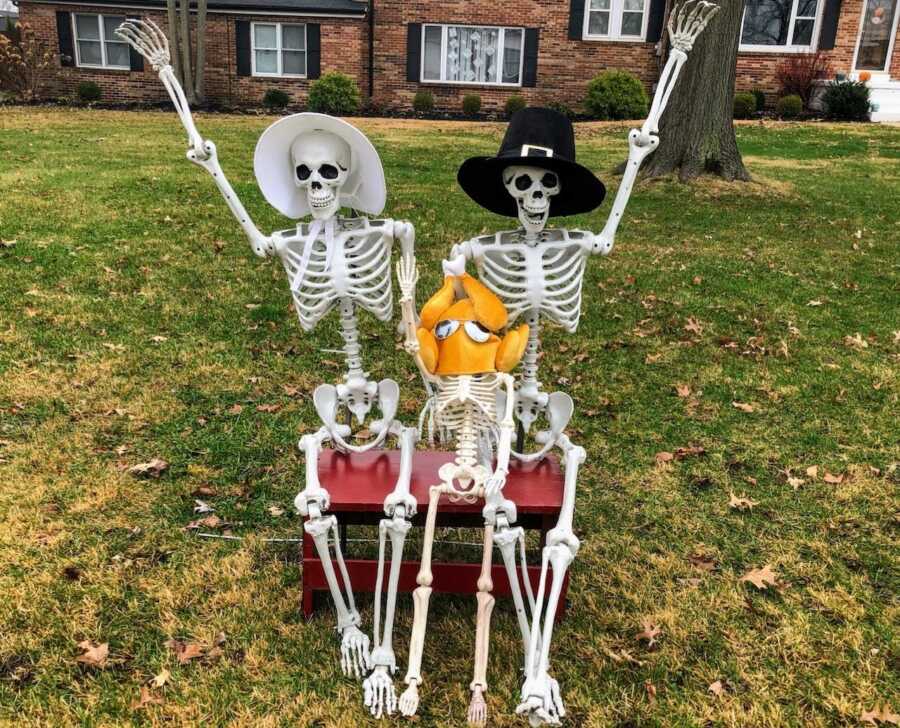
313 50
529 68
414 52
655 21
576 19
66 44
829 24
242 42
135 59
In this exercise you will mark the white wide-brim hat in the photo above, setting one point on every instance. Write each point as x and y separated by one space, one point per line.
364 190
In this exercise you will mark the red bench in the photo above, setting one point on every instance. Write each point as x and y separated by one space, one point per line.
358 484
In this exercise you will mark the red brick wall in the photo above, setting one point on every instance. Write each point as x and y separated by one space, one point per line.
344 48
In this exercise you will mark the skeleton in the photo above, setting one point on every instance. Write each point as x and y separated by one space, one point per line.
538 273
331 262
475 409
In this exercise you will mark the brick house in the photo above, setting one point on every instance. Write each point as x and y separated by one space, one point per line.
544 50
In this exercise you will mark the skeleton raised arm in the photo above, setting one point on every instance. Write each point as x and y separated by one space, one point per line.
149 40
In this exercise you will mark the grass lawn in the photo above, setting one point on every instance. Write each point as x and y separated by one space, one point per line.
136 324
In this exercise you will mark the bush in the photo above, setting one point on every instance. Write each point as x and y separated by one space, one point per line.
799 74
514 104
789 107
560 108
25 62
471 104
760 97
744 105
423 102
88 91
275 98
847 101
616 95
334 93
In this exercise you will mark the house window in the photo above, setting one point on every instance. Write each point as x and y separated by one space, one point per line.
773 25
472 54
96 42
615 19
876 35
279 49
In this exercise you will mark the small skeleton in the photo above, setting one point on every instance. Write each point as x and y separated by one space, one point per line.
466 363
538 273
331 262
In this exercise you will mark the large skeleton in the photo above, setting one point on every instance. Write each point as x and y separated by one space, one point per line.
538 273
331 262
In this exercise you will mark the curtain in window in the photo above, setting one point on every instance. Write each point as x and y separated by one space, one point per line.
875 39
472 54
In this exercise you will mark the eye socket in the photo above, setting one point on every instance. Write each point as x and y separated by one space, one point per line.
477 332
303 172
549 180
445 329
328 171
523 182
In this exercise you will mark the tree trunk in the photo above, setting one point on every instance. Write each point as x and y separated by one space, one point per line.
187 76
696 131
200 60
174 46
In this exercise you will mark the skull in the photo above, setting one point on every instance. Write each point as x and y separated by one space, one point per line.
321 165
532 188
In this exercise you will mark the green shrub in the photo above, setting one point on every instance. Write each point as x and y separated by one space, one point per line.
334 93
744 105
471 104
616 95
423 101
275 98
760 97
88 91
789 107
514 104
847 101
560 108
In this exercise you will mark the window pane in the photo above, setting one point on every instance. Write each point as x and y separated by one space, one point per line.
264 36
631 23
87 27
600 4
806 9
512 54
766 22
293 37
110 23
432 65
638 5
598 24
117 54
803 30
89 52
875 38
293 62
266 61
473 54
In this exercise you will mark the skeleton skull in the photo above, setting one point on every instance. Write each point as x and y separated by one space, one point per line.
321 165
532 188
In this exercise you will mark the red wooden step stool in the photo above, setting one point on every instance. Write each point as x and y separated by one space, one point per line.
358 484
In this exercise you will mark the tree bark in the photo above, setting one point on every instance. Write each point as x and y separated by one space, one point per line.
200 60
174 46
696 131
187 76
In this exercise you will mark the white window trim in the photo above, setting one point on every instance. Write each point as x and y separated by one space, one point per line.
616 9
890 51
500 44
102 40
811 48
278 51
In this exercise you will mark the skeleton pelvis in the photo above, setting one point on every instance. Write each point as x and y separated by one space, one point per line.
463 481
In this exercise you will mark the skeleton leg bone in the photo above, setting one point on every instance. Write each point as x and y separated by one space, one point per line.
478 707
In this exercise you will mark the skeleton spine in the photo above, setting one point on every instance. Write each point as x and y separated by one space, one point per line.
467 440
350 334
530 359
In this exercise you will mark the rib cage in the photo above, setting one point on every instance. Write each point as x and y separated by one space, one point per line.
467 408
360 270
546 276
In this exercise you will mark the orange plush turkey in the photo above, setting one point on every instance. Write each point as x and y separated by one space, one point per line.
457 334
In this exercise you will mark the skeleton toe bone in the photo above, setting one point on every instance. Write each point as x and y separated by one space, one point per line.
409 700
355 658
541 701
378 689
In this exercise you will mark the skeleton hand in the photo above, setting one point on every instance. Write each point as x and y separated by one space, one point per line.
455 266
493 486
147 39
407 277
688 21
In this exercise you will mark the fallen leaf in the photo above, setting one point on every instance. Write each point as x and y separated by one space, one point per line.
291 391
184 651
814 303
206 490
664 457
276 511
649 633
147 698
212 521
682 390
741 502
159 339
650 689
761 578
153 468
652 358
833 479
795 482
268 407
235 409
94 655
685 452
697 280
704 563
742 406
7 243
716 688
812 471
163 678
856 342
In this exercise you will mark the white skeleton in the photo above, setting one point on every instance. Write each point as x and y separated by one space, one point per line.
330 262
538 274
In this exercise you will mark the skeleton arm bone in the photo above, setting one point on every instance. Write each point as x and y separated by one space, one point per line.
149 40
497 481
407 277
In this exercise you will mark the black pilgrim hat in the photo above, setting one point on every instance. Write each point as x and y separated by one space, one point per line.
540 138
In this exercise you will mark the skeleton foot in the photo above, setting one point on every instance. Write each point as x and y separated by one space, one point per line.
379 692
409 700
478 709
355 659
541 701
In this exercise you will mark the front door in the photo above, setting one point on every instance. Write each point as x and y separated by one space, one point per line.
876 36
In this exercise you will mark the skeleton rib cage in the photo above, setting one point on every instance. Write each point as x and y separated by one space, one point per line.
359 270
545 275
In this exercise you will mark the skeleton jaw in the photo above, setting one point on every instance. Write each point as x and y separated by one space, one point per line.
323 203
533 218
